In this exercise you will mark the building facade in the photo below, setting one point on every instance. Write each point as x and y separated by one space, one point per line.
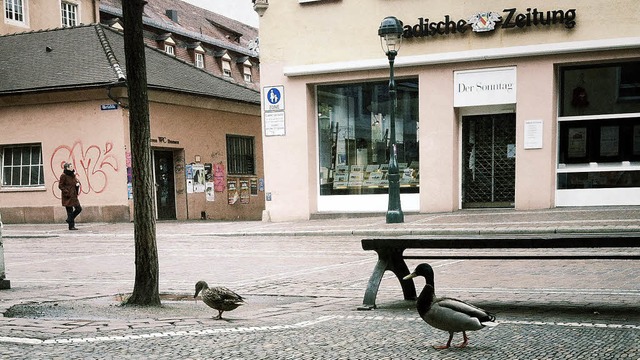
63 98
517 104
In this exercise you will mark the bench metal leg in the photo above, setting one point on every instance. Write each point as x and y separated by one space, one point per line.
388 260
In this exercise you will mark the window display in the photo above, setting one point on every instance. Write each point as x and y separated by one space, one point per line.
599 126
353 128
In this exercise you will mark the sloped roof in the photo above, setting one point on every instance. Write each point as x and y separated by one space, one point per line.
93 56
193 22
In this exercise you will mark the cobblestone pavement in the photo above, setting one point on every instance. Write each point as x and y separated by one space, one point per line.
303 282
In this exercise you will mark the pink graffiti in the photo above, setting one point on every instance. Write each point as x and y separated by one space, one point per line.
93 165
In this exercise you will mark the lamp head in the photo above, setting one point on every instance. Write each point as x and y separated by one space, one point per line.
390 33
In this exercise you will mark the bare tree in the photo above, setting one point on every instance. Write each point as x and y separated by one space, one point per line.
145 288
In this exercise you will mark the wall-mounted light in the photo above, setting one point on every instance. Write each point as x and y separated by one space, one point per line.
197 158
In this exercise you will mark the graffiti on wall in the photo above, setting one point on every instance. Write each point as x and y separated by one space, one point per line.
94 165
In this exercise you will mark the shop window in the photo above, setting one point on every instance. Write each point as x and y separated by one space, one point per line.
353 128
22 166
629 88
600 89
240 155
599 126
14 12
69 14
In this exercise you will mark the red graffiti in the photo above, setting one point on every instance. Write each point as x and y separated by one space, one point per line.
93 165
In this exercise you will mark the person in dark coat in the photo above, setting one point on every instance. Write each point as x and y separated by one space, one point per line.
70 187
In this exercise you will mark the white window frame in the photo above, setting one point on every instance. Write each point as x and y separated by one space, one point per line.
22 5
199 60
170 49
7 165
226 65
247 71
73 13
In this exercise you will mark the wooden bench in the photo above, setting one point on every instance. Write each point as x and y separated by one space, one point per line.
533 247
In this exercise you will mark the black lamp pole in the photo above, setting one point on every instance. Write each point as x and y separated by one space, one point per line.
390 33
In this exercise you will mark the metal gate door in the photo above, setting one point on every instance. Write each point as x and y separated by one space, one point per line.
489 160
165 188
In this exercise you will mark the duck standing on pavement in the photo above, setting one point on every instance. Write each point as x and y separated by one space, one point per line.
218 297
448 314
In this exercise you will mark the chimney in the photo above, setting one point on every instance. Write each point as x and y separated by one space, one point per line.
173 15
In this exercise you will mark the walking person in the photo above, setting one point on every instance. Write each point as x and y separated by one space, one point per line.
70 187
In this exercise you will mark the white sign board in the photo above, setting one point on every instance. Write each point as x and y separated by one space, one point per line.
273 98
484 87
533 134
274 123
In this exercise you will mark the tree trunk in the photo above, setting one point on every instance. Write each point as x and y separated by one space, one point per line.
145 288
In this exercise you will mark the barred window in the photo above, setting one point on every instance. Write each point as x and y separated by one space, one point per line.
240 155
69 14
22 166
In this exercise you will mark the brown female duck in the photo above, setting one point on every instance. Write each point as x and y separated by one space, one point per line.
218 297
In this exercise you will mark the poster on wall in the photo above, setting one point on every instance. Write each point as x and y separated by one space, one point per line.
208 172
244 191
218 177
209 193
198 178
609 140
188 172
636 140
232 191
129 175
577 142
254 187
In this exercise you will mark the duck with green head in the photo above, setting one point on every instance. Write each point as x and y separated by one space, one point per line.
448 314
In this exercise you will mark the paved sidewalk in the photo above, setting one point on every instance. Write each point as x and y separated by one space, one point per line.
296 274
559 220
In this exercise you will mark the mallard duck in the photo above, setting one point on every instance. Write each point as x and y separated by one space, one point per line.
448 314
218 297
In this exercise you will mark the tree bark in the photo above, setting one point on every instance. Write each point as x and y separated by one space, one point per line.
145 288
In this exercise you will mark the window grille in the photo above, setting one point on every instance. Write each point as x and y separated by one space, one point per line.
240 155
22 166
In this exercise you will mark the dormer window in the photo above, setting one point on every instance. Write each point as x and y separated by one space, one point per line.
196 51
199 60
247 71
226 65
247 74
69 14
167 43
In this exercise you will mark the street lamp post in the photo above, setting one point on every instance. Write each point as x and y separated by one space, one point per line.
390 33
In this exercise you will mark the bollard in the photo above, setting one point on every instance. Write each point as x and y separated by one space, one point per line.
4 283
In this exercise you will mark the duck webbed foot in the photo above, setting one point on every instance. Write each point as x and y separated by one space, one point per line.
465 340
448 345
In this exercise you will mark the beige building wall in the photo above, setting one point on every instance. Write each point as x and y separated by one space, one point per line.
304 45
47 15
76 130
97 142
201 131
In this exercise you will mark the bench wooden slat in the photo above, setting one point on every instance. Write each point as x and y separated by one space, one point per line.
391 252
